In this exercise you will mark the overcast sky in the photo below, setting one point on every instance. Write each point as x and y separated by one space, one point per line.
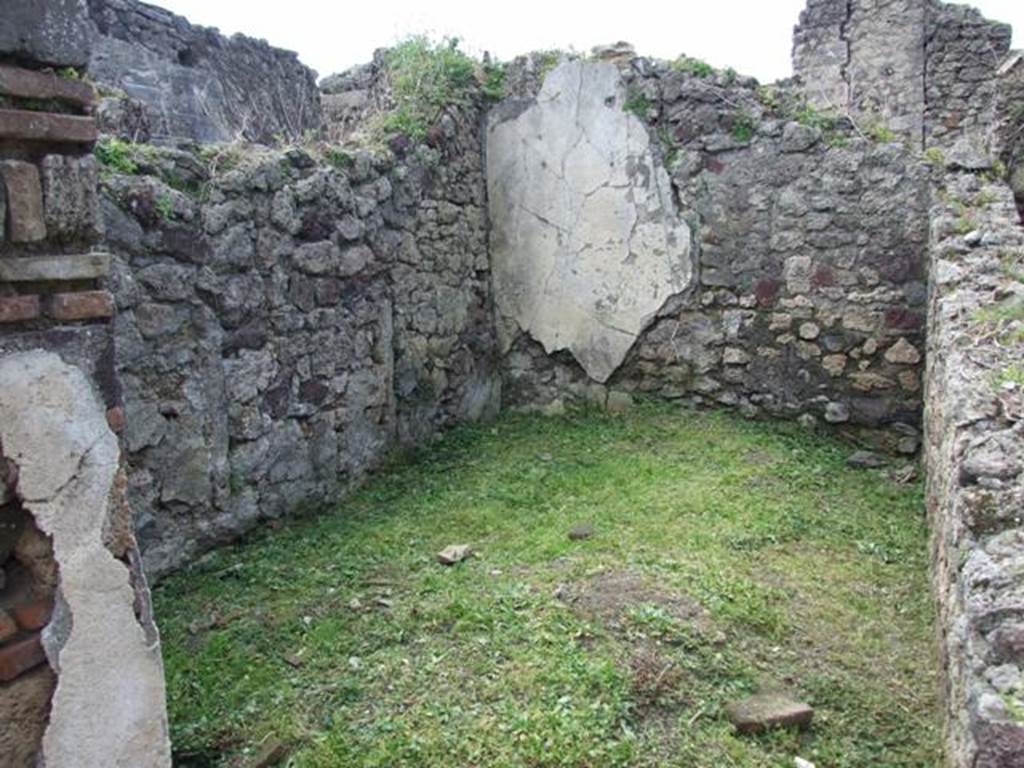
752 36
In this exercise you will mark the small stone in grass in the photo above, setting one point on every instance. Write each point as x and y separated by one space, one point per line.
271 754
799 762
294 660
456 553
768 710
581 531
866 460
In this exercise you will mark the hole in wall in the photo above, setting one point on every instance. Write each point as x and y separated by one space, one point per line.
187 57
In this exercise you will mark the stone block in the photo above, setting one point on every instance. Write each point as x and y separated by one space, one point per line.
45 126
903 353
87 305
20 656
18 309
83 266
71 199
454 554
766 711
26 222
27 84
55 32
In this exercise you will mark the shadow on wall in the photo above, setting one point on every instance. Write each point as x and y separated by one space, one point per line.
28 582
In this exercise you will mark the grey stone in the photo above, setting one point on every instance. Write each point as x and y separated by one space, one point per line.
809 331
997 458
908 446
353 260
72 202
903 353
766 711
582 531
619 402
54 32
86 266
734 356
350 228
318 258
799 138
454 554
866 460
967 154
197 84
273 751
837 413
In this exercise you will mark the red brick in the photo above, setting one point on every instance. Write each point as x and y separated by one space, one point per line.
87 305
45 126
17 309
115 419
34 615
26 84
8 627
19 657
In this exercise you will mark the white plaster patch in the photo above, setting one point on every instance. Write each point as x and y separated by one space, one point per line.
108 708
586 241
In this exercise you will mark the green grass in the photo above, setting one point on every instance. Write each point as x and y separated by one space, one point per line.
753 558
693 66
116 155
743 127
637 104
425 77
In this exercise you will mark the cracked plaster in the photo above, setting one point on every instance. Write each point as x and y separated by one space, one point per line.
108 707
587 244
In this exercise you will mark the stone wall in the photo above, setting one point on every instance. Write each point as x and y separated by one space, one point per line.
865 58
1009 124
964 52
821 52
289 321
81 679
180 81
887 68
271 323
974 457
808 266
922 68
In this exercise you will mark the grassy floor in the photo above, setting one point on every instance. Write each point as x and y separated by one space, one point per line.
728 557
